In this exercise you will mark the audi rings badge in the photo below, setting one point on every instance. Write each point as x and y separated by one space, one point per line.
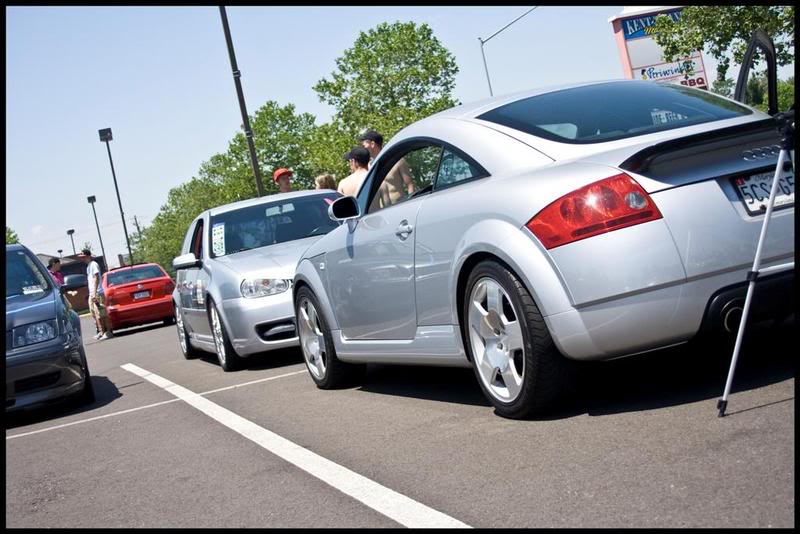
762 152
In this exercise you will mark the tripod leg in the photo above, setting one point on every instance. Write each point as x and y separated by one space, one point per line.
751 276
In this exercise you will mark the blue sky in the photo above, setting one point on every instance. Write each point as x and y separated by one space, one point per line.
161 79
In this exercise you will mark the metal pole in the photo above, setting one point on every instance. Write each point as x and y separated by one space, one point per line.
136 222
245 120
122 214
486 68
102 248
73 244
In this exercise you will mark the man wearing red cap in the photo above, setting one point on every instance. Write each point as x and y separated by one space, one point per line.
282 177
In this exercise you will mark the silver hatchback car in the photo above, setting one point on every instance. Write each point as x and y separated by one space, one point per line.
236 267
583 222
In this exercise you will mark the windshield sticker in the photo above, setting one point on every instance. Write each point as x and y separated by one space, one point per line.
27 290
218 239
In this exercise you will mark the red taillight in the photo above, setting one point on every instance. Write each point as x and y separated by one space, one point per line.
110 300
597 208
168 287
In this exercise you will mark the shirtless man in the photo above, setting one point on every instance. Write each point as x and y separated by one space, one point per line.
398 181
359 160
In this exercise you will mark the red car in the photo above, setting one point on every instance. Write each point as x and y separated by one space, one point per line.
138 294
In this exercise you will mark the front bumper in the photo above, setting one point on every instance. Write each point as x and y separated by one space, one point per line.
43 373
122 316
260 324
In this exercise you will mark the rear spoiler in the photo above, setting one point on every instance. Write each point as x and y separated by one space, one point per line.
641 161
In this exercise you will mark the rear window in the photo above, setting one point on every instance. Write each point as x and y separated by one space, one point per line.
611 111
133 275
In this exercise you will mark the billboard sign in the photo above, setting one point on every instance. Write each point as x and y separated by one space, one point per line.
642 58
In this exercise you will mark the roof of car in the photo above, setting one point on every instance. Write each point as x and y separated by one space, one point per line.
277 197
123 267
15 246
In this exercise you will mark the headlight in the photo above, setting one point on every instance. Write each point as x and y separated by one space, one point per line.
34 333
262 287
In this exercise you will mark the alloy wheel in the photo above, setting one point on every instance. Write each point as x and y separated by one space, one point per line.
312 340
495 336
219 342
181 331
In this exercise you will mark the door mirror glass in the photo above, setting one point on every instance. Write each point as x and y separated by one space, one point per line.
343 208
73 282
185 261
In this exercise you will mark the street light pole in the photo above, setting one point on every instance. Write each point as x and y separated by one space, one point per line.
59 252
484 41
92 200
248 133
105 135
69 233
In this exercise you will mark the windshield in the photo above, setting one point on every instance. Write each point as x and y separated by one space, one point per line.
23 276
135 274
611 111
270 224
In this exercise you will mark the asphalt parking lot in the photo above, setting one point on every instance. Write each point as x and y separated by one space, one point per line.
177 443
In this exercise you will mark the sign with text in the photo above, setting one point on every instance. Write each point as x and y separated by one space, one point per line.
643 59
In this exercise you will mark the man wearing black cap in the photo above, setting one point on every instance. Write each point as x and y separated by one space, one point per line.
398 180
358 158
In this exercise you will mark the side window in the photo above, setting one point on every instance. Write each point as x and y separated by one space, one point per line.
412 173
197 240
456 169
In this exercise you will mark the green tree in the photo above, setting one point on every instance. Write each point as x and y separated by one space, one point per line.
725 31
11 236
280 135
393 75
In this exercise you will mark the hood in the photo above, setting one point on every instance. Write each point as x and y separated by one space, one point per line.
27 309
277 261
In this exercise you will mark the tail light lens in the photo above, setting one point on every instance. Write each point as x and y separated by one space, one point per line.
168 287
110 300
598 208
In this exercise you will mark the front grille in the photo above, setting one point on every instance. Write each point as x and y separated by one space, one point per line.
36 382
277 330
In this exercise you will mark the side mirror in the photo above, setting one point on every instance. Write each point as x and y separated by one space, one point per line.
343 208
186 261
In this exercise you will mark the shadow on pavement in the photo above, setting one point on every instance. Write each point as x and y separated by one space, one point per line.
680 375
261 361
105 392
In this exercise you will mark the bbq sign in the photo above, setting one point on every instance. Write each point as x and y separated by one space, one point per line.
642 58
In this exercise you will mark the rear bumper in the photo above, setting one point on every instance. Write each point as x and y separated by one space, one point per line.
122 316
44 374
664 316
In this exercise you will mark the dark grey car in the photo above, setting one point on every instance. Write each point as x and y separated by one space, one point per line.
45 360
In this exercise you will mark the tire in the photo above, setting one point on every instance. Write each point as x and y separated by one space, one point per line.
516 363
169 320
228 359
187 350
316 342
87 395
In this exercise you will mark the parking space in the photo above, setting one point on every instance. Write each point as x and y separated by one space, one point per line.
642 444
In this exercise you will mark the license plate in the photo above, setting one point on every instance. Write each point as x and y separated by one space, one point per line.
754 191
141 295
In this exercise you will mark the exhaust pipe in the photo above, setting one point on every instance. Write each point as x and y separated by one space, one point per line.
731 317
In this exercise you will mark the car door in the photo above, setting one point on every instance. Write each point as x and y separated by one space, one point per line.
371 268
192 298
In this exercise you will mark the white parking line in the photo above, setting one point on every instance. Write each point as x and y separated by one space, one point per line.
149 406
390 503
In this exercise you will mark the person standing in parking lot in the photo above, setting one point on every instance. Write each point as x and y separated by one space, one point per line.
282 177
399 181
54 267
358 158
325 181
96 302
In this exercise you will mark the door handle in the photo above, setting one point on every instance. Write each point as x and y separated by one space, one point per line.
403 230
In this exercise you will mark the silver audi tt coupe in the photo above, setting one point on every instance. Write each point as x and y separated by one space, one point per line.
236 267
584 222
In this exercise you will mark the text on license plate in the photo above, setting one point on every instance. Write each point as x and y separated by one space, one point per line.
754 191
141 295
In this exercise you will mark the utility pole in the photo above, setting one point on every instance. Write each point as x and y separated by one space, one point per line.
136 222
248 133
